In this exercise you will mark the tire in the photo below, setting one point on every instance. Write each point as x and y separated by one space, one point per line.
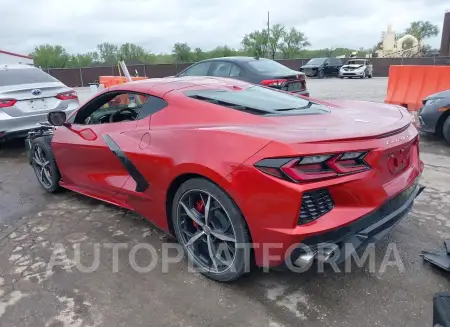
341 77
47 172
186 229
321 74
363 75
446 129
370 76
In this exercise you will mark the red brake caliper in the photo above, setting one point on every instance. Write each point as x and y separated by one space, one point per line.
200 207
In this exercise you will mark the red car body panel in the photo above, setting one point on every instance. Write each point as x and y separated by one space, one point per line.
190 137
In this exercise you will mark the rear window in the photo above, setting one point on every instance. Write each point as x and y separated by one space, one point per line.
24 76
266 66
257 100
316 61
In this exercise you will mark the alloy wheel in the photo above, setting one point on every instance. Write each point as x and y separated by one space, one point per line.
41 166
207 232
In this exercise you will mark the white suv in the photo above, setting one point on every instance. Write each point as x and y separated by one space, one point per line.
361 68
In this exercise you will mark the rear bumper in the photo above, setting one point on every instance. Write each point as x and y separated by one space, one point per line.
16 127
341 243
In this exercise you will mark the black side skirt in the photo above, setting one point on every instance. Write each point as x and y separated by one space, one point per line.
141 184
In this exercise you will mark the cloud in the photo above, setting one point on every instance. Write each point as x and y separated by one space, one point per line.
158 24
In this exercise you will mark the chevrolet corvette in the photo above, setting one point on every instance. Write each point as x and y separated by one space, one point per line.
228 167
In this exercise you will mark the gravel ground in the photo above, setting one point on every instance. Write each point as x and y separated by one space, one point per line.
32 223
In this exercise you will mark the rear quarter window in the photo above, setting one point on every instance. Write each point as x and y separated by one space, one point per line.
24 76
257 100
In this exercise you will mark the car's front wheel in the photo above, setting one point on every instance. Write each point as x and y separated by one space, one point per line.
321 74
446 129
211 229
44 164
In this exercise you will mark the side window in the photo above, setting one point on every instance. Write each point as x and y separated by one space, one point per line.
112 107
235 71
200 69
226 69
152 105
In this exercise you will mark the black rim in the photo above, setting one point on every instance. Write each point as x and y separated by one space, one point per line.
41 166
206 231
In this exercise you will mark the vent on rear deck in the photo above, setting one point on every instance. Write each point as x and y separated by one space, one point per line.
314 205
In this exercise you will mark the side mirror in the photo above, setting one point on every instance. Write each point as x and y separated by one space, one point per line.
325 64
57 118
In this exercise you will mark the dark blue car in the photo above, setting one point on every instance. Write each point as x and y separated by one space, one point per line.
434 116
253 70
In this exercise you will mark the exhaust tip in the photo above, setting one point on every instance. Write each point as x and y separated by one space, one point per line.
305 259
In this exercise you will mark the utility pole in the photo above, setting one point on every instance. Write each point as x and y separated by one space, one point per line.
268 34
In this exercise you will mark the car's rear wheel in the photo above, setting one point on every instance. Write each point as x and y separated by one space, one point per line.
446 129
211 229
44 164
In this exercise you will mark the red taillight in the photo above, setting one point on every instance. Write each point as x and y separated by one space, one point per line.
306 172
67 95
315 167
274 82
7 103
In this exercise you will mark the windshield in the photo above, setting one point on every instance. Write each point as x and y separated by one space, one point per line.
255 99
266 66
355 62
24 76
316 61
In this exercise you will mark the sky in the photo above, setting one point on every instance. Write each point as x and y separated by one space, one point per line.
157 24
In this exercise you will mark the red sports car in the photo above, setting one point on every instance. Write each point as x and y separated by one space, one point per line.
226 166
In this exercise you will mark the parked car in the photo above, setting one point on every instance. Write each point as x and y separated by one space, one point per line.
223 164
434 116
322 67
27 95
254 70
361 68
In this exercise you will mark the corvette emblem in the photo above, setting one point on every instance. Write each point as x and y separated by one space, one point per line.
398 139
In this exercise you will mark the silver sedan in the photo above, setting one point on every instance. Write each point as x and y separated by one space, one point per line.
27 95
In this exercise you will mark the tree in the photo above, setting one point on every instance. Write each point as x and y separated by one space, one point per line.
130 51
108 52
222 51
182 52
199 55
428 51
255 43
277 34
293 42
422 30
50 56
82 60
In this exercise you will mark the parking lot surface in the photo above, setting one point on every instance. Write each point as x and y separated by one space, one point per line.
33 224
